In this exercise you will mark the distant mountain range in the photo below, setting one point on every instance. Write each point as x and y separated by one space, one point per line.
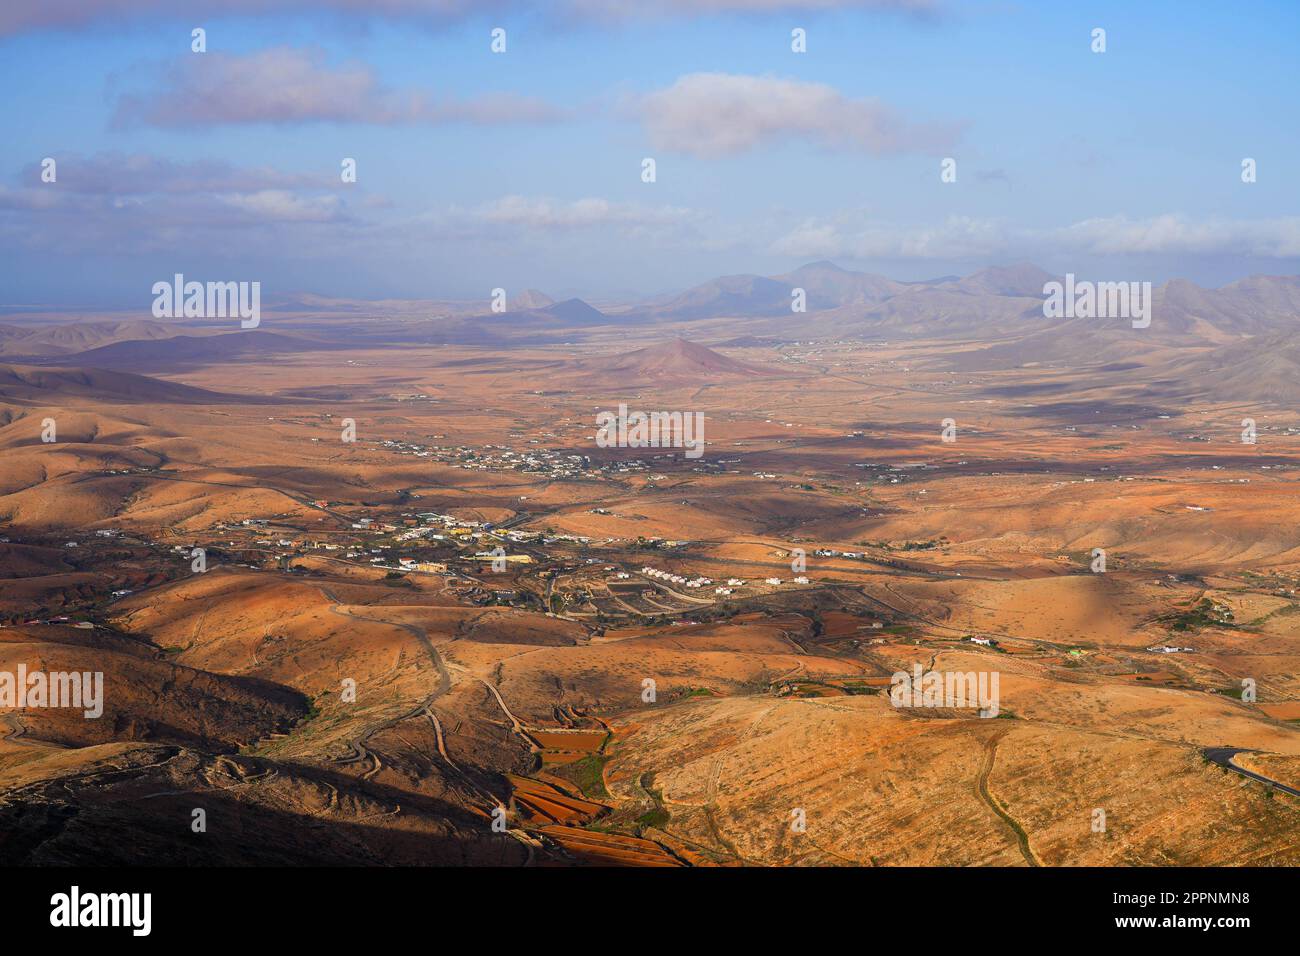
997 312
827 287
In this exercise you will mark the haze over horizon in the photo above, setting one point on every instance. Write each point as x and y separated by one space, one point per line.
523 169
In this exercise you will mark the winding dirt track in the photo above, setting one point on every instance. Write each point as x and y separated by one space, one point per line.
425 709
360 751
982 787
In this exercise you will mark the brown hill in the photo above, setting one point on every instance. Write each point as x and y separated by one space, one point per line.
829 286
738 295
678 359
532 299
65 338
27 385
188 351
1263 369
194 707
1022 279
570 312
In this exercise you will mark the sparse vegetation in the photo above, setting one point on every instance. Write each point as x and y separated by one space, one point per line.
1205 613
587 775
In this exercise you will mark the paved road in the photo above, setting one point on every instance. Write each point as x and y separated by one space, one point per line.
1223 757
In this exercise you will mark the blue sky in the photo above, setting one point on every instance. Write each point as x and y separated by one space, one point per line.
522 169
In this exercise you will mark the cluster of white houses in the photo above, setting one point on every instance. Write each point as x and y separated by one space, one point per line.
675 578
557 464
699 582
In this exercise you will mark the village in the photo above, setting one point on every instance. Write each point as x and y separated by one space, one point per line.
602 581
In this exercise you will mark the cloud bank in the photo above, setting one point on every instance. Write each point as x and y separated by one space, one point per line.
720 114
961 237
283 85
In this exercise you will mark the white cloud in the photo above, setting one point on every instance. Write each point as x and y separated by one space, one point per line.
718 114
960 237
956 238
1262 238
278 205
285 85
546 213
140 173
128 204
